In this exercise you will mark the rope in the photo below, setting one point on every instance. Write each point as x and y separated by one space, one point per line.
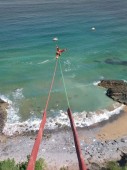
64 83
32 160
51 85
81 162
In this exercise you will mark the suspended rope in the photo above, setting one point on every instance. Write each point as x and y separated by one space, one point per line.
81 162
33 156
32 160
46 106
64 83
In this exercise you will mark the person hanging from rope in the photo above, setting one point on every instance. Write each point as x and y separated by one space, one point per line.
59 52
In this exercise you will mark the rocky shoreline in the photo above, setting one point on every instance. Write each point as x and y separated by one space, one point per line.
102 152
58 150
116 90
103 142
3 114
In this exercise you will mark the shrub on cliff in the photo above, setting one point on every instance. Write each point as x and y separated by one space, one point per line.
10 164
40 164
112 165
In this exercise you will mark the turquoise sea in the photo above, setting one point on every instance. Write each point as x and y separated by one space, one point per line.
27 53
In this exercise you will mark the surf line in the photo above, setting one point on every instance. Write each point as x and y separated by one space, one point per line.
34 153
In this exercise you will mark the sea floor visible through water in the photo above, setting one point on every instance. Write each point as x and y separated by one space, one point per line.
27 54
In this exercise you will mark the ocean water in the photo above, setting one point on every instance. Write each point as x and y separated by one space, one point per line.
27 56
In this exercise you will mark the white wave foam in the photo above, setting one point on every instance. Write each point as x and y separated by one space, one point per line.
11 129
18 94
12 111
95 83
43 62
125 81
4 98
67 65
13 108
82 119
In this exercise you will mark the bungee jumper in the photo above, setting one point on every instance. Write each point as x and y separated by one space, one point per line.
34 153
59 52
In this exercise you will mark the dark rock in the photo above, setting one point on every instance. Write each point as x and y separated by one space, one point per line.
1 101
3 114
115 141
123 161
112 84
123 140
116 89
120 96
102 144
115 62
117 149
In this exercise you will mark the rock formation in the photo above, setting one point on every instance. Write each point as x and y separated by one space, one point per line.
3 114
116 89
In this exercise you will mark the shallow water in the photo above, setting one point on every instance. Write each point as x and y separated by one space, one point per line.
27 53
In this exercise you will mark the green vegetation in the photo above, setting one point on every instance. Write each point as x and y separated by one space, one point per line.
112 165
10 164
40 164
64 168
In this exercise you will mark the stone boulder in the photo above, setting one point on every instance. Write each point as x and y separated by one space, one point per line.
3 114
116 89
113 84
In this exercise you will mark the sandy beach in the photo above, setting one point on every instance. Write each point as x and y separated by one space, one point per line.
115 129
99 143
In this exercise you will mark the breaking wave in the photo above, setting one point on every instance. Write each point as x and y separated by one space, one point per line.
82 119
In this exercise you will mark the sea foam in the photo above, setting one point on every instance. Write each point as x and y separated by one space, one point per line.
82 119
95 83
44 62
